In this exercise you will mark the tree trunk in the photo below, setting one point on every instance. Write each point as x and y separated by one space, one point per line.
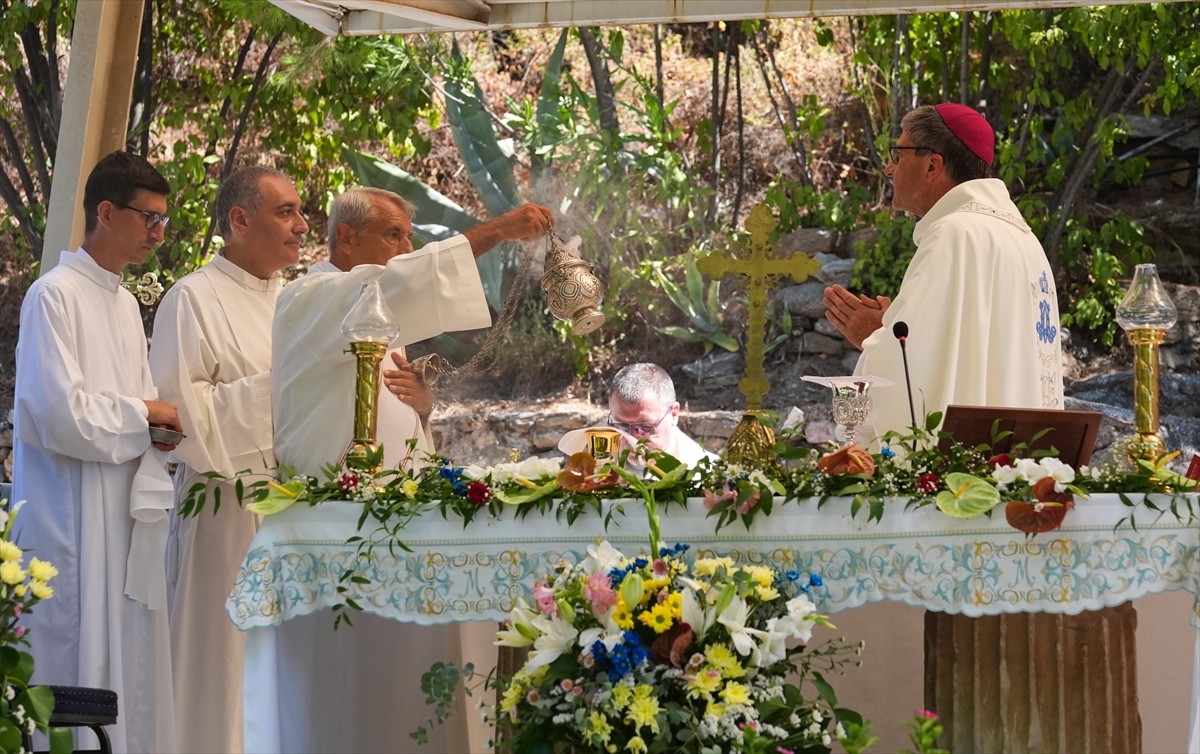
606 98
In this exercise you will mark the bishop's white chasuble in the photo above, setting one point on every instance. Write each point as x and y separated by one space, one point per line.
982 314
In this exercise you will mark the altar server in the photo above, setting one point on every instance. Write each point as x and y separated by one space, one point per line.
211 356
96 492
978 296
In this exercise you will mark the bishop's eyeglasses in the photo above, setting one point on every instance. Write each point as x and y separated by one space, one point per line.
895 151
153 219
637 429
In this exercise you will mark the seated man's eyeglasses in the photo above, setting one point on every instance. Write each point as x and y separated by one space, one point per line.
153 219
895 151
637 429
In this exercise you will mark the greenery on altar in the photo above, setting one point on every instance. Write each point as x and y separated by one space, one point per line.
925 467
23 708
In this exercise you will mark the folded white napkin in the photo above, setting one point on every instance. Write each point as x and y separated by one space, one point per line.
150 499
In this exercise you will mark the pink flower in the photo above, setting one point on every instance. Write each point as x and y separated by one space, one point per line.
712 499
17 611
926 714
19 632
544 596
599 593
478 493
928 483
748 504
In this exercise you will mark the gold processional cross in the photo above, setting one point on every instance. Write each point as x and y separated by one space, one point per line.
752 444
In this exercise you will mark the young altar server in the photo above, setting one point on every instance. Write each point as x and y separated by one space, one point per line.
96 493
211 356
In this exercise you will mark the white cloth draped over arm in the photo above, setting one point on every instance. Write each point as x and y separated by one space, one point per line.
151 498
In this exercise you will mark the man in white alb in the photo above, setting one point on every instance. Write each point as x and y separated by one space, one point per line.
978 296
97 495
429 291
211 356
641 402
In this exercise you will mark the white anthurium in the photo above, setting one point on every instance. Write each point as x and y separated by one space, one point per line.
601 558
523 633
734 618
557 637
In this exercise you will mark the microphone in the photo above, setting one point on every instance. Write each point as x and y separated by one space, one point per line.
900 330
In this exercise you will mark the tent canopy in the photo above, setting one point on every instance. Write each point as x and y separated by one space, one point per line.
363 17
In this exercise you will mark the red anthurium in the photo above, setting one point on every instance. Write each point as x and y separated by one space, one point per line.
1000 459
579 474
1044 515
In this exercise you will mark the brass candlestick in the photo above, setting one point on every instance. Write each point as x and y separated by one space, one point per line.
1146 313
370 327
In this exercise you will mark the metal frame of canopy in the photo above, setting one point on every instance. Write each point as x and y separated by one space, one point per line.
104 52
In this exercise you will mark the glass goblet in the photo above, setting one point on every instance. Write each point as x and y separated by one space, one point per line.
851 406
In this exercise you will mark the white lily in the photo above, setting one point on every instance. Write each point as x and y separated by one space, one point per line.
474 472
693 614
557 637
734 619
523 633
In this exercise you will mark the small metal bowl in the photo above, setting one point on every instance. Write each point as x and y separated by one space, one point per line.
165 435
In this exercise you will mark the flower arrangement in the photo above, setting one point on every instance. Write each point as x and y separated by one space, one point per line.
638 654
23 708
1037 489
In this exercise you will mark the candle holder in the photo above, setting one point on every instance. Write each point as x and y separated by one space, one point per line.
370 328
1146 313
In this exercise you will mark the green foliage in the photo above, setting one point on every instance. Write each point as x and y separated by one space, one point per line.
700 303
881 264
1102 256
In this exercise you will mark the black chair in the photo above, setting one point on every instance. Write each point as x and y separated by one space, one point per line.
78 707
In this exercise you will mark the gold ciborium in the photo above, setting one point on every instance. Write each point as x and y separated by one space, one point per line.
573 289
370 327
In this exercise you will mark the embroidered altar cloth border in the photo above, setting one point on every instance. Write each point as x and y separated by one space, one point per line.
920 557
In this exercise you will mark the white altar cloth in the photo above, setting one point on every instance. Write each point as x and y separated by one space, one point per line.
476 573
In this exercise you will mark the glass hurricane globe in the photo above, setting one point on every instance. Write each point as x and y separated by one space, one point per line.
370 320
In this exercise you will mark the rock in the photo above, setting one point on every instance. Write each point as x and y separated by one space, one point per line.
808 241
858 240
718 368
1178 394
805 299
835 270
819 432
817 343
825 327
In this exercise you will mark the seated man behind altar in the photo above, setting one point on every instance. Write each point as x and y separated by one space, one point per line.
642 406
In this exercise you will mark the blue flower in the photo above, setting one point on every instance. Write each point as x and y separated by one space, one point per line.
816 580
887 452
